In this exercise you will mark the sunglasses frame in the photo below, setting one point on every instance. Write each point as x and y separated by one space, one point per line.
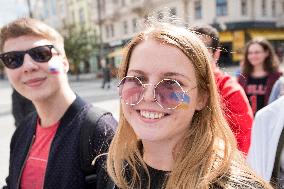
23 53
154 91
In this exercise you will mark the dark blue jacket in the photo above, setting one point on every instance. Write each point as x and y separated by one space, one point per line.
63 168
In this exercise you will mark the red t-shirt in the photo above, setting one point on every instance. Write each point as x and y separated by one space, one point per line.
35 166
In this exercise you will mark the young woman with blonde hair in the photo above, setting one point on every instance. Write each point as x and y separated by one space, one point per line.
172 132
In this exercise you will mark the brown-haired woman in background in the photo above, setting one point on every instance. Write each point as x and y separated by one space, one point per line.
260 71
172 132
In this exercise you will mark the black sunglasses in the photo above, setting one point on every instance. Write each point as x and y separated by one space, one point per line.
15 59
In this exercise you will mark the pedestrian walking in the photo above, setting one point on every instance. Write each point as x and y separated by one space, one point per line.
235 102
172 132
106 74
46 150
260 72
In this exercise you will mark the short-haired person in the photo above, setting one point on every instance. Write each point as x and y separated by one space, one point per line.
172 132
236 106
44 150
260 71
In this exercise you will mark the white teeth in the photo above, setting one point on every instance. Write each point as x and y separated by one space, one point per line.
151 115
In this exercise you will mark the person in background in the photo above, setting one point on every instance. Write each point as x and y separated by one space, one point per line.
45 148
266 154
21 107
260 71
233 98
277 90
172 132
106 74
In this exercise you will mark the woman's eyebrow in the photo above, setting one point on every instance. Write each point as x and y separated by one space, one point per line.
170 74
136 71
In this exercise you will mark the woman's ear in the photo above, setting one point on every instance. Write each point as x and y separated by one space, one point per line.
66 64
202 100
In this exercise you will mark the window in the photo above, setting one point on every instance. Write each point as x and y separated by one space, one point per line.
123 3
244 7
173 12
134 25
273 8
107 31
263 6
73 17
112 30
81 16
102 6
62 10
197 9
53 7
125 27
160 15
221 7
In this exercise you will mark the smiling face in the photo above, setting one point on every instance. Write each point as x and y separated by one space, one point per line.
33 79
256 54
152 61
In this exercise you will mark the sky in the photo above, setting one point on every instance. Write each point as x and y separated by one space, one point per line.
11 9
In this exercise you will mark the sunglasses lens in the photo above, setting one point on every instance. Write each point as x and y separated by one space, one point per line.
130 90
169 94
41 54
12 60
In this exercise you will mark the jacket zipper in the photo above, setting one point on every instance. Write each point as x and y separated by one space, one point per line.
22 168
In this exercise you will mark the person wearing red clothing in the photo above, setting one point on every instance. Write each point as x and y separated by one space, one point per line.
234 100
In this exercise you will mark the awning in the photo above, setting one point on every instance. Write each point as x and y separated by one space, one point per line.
116 53
268 34
226 36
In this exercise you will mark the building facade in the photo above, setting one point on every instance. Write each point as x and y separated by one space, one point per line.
237 20
64 14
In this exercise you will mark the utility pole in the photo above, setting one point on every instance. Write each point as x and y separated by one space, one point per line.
100 23
30 9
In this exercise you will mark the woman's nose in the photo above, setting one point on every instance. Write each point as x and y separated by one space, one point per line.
149 92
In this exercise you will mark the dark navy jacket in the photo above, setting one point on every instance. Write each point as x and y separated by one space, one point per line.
63 168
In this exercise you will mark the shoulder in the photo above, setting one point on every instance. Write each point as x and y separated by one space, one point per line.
270 118
101 118
274 75
99 126
229 87
274 110
239 180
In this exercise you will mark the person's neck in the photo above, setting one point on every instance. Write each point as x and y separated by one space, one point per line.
158 155
258 71
51 110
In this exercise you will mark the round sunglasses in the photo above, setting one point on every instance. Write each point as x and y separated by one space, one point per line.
15 59
168 93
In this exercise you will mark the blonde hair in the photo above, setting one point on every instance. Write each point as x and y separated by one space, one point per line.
208 148
31 27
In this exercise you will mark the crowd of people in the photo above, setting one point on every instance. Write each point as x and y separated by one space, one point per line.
183 122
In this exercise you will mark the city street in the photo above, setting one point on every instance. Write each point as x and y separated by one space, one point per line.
88 88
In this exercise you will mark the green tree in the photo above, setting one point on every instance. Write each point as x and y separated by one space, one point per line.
80 46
